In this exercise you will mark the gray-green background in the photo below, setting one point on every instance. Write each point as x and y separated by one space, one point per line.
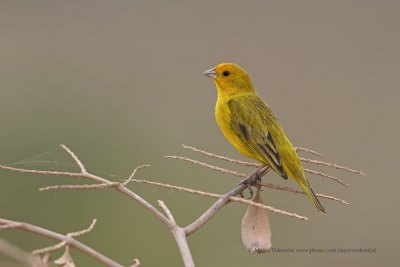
121 83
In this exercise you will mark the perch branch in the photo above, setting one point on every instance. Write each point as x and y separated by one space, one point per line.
221 202
257 165
272 186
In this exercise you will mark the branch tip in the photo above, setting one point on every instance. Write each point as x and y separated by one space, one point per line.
309 151
74 157
318 162
167 211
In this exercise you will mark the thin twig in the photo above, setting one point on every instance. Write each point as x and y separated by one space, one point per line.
50 248
216 168
221 157
83 186
331 165
259 205
134 173
84 231
289 189
78 162
297 148
56 173
327 176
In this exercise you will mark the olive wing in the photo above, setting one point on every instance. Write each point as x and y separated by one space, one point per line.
249 121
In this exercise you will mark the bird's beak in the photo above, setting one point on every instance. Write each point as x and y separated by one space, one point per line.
211 73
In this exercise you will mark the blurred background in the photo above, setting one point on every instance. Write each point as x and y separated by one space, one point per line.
120 83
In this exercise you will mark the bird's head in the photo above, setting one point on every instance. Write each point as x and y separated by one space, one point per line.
230 79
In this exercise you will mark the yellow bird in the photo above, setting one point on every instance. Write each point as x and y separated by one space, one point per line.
252 128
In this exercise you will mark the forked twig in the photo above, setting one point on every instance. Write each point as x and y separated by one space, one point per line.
64 239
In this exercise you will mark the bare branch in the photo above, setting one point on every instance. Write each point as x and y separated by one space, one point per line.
180 238
216 168
221 202
252 203
331 165
118 186
56 173
69 240
83 186
179 233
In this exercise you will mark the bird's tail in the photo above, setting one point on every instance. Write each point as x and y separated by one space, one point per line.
313 198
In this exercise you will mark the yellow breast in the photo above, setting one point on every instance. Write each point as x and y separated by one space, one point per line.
223 117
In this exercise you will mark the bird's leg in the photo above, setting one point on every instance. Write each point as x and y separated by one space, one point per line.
253 178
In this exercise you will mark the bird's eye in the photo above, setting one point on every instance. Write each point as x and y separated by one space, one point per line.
226 73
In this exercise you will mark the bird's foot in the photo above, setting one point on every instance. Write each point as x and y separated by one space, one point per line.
250 181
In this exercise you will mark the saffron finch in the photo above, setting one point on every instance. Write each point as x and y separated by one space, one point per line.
252 128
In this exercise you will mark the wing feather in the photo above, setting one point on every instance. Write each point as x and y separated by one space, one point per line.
251 126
